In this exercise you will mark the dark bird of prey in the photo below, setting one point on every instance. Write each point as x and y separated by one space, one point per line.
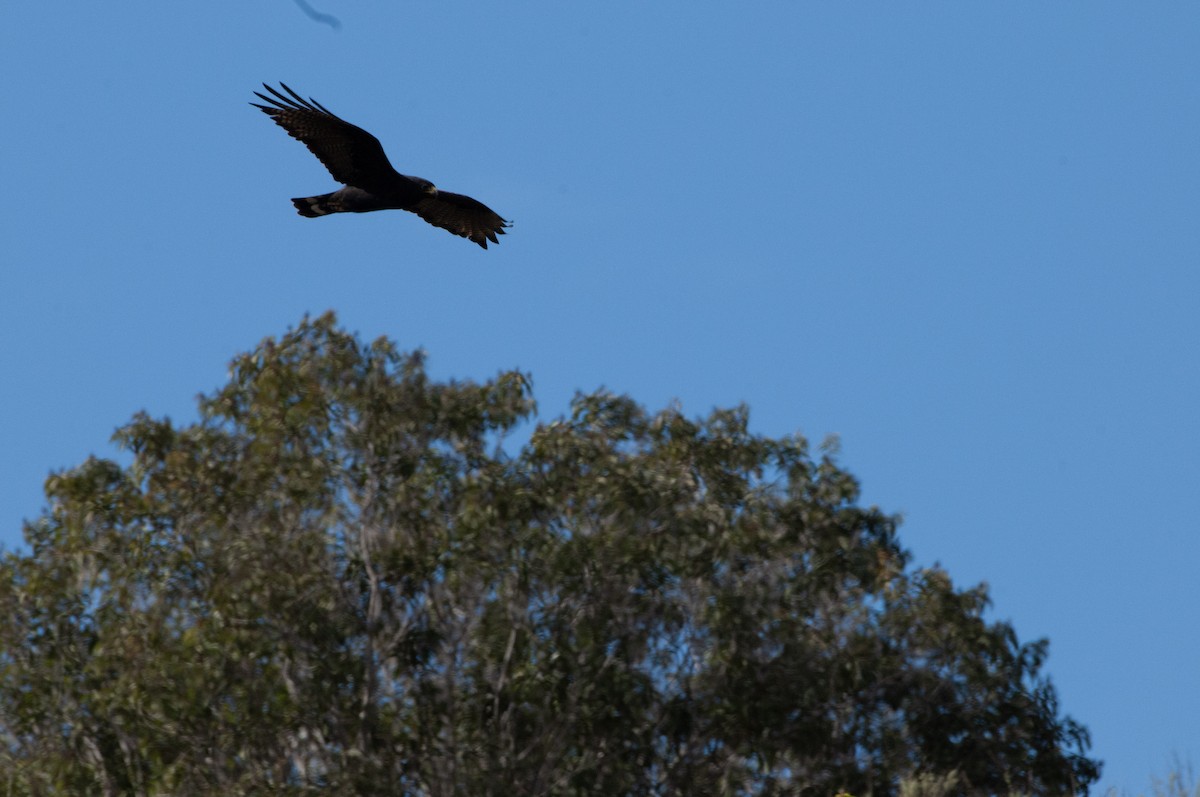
355 157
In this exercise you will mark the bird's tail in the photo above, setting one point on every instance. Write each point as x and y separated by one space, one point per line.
313 206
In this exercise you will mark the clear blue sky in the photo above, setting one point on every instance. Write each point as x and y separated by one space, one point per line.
964 237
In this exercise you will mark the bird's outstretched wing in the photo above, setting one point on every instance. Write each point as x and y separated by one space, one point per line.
463 216
352 155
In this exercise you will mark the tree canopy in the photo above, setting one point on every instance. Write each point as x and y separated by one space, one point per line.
345 578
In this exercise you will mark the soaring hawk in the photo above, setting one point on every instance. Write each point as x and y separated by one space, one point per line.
355 157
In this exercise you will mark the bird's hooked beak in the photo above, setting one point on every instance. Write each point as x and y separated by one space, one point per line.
431 189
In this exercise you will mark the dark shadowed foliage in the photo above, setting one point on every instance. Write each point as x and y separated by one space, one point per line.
338 582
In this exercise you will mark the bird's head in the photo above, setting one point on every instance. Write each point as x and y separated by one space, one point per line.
427 187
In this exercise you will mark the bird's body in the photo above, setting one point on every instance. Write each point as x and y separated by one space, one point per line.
356 158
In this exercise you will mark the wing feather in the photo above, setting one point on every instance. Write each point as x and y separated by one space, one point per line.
463 216
352 155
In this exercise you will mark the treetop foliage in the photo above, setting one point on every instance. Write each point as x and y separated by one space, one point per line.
341 581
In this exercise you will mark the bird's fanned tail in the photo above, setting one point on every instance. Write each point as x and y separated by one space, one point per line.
313 206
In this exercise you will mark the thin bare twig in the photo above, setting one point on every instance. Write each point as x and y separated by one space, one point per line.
316 15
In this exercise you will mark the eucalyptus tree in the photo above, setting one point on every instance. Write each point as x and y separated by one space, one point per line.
348 578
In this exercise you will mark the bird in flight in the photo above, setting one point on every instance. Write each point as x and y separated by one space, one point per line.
356 158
